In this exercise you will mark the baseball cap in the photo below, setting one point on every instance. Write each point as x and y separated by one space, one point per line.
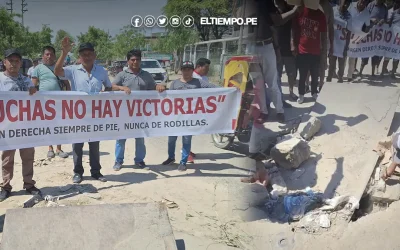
10 52
84 46
188 65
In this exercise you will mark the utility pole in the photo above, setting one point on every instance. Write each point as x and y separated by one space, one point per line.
241 28
23 10
11 11
11 6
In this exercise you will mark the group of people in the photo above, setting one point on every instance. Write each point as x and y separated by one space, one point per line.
52 75
301 40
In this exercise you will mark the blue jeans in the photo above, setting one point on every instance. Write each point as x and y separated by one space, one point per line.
139 147
186 146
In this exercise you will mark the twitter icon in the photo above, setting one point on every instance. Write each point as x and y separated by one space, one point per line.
162 21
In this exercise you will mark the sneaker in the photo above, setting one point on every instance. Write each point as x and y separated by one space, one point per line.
99 177
182 167
117 166
77 178
340 80
169 161
293 96
33 191
393 76
190 159
315 96
301 99
51 154
192 154
142 165
4 194
62 154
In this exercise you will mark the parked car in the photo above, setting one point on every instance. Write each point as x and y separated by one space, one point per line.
155 69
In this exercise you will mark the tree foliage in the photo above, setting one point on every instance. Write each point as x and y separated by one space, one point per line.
129 38
100 39
60 36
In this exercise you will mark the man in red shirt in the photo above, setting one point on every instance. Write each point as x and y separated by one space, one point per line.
309 44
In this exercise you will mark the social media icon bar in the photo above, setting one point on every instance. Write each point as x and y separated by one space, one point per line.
175 21
137 21
149 21
162 21
188 21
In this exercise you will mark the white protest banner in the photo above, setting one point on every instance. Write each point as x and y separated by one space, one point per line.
380 41
51 118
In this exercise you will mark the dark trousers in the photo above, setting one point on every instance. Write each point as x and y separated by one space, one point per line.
308 63
94 157
332 66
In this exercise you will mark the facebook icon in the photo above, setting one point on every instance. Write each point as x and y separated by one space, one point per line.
136 21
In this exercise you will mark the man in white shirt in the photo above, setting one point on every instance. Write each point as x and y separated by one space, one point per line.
200 72
30 70
202 68
360 22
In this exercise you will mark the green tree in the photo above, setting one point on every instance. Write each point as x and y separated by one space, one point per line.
129 38
174 42
101 40
9 29
59 37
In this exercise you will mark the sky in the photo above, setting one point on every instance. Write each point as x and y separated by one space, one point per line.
75 16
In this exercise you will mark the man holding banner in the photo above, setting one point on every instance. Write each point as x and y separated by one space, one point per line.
186 82
133 79
12 80
358 24
43 76
379 13
393 19
341 45
90 78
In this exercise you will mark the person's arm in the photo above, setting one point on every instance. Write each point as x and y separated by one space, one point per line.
107 83
31 87
281 19
117 84
66 47
294 42
35 77
205 84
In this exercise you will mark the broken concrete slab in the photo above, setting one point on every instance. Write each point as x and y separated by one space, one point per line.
388 194
103 227
291 153
311 128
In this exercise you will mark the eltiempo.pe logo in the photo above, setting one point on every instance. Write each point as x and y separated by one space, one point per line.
162 21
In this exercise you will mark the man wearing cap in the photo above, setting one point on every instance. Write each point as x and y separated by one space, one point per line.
133 79
185 82
43 77
30 70
12 80
89 78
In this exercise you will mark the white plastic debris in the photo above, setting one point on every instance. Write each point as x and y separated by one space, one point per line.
333 204
324 221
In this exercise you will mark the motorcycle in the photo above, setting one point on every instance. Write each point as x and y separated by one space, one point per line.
242 72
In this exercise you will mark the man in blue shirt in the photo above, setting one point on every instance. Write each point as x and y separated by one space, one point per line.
89 78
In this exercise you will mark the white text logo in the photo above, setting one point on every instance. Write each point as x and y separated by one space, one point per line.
228 21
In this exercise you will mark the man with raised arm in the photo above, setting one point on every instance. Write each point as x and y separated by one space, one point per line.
89 78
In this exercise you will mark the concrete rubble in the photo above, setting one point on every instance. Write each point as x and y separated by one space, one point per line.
291 153
310 129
